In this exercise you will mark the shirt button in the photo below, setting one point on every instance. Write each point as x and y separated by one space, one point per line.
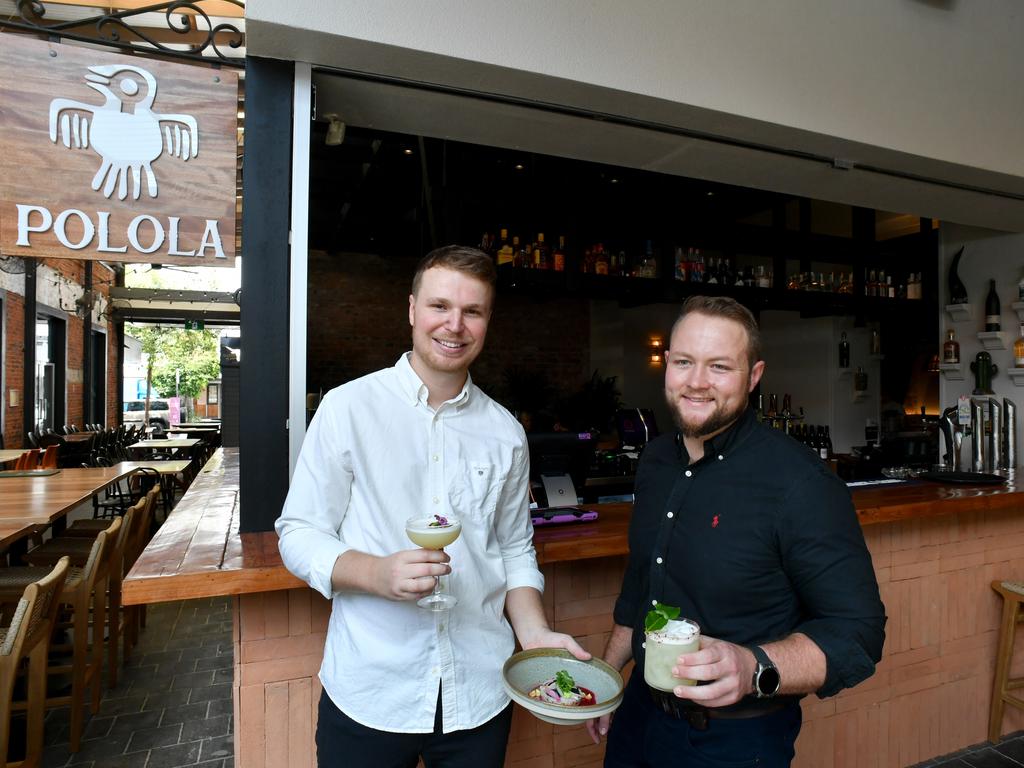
440 627
659 561
720 457
434 670
435 457
689 473
670 514
654 602
643 645
436 500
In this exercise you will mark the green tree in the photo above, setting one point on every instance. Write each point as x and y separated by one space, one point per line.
196 354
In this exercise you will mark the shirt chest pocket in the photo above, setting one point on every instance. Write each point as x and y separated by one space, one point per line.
474 488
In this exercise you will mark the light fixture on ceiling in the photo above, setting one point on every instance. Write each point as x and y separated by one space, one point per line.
335 130
406 151
519 166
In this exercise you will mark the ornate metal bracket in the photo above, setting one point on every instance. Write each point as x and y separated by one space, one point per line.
183 17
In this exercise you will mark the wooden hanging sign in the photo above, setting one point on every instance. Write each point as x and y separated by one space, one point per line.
115 157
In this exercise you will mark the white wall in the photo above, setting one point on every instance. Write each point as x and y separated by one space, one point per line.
987 255
802 358
884 77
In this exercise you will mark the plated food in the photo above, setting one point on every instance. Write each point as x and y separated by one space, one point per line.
563 691
531 678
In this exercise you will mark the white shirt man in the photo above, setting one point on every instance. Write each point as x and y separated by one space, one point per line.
419 439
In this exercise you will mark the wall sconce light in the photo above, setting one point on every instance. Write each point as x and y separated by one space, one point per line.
655 350
335 130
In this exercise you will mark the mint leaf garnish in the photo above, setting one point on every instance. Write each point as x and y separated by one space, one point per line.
659 616
564 682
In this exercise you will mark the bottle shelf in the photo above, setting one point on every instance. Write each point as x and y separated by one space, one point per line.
1018 307
1016 375
955 371
960 313
992 339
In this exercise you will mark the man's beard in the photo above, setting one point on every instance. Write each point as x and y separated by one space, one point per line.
719 419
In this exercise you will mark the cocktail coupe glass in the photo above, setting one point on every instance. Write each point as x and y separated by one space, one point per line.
434 532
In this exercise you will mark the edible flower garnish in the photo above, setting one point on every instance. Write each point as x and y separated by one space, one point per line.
438 522
659 616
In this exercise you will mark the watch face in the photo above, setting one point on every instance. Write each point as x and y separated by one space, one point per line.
768 681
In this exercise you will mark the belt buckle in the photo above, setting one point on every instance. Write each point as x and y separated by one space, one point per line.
697 718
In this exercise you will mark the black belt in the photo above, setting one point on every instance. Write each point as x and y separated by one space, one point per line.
698 716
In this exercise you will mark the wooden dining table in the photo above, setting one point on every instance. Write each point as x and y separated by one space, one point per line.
177 443
10 454
32 500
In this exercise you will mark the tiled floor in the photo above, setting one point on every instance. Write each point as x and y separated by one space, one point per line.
1008 753
172 706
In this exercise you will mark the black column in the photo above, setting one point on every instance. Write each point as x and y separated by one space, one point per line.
88 385
28 394
263 397
118 361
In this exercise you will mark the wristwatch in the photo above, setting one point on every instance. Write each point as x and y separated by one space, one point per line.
766 676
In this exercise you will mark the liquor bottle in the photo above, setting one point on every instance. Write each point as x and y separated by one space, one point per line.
951 348
558 257
680 263
1018 349
823 450
600 260
1020 289
760 407
541 253
828 441
992 310
505 252
711 273
844 351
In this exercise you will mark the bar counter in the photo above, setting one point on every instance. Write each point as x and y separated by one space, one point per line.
935 548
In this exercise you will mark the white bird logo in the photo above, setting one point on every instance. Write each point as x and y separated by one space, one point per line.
126 141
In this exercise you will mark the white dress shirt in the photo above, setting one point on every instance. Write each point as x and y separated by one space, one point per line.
375 455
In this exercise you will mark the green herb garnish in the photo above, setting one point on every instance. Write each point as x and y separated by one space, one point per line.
564 682
659 616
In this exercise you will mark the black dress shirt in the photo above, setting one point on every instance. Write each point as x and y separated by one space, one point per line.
755 541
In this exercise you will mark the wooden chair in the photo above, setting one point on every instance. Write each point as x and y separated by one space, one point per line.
77 549
49 457
84 592
1012 593
28 460
28 638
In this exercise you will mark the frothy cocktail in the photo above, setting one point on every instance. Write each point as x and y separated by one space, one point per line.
663 647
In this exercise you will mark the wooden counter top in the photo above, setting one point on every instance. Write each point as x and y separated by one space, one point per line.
198 552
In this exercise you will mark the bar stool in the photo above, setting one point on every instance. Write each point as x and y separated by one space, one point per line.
1012 593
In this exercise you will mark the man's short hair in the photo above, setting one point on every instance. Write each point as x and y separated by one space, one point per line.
468 261
730 309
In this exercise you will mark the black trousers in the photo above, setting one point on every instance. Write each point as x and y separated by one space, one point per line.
341 742
642 736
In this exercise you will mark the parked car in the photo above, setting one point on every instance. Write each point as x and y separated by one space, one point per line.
159 412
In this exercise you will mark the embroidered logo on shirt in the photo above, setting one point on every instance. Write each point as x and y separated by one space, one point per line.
714 521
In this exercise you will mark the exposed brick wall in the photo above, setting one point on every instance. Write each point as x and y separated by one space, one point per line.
14 366
14 354
358 311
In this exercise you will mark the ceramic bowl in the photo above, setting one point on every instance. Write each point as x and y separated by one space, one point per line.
527 669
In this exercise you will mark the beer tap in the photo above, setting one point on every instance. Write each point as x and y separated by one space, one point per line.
978 434
1009 433
954 436
994 439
